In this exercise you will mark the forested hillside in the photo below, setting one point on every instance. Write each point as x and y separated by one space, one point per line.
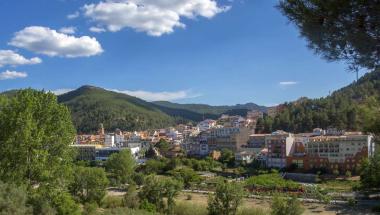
351 108
91 106
197 112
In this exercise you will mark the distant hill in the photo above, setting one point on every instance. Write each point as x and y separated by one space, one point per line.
197 112
91 106
353 107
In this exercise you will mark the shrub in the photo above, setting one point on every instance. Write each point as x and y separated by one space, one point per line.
90 208
145 205
226 199
351 202
131 198
112 202
348 174
286 206
189 197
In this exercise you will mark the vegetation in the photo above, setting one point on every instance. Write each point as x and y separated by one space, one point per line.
198 112
354 107
272 181
370 174
13 200
89 184
338 30
91 106
286 206
121 166
226 200
158 189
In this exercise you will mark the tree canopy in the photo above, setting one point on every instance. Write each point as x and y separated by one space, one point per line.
339 30
35 147
121 166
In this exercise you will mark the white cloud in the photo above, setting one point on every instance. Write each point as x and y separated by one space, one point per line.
12 75
47 41
155 17
68 30
11 58
288 83
159 96
61 91
97 29
73 15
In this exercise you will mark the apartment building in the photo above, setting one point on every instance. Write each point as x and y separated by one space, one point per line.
228 138
280 145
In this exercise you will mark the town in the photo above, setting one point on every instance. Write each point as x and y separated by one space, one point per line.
327 151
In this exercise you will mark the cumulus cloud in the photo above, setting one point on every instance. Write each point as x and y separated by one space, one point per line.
155 17
11 58
288 83
159 96
68 30
47 41
97 29
73 15
12 75
61 91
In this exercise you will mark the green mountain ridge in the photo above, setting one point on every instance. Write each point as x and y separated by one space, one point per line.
354 107
92 105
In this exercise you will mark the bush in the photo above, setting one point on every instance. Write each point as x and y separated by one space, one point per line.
13 200
145 205
286 206
131 199
226 199
351 202
90 208
112 202
189 197
348 174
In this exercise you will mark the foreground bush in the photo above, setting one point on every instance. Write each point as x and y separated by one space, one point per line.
286 206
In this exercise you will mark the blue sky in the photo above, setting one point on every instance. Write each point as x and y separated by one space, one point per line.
223 52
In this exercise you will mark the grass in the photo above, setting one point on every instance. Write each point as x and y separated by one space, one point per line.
339 186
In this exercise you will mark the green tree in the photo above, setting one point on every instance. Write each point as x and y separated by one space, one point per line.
35 140
286 206
89 184
227 198
186 175
163 146
227 157
121 166
158 189
370 172
13 200
338 30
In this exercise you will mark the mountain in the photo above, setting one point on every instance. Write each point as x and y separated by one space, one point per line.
197 112
354 107
91 106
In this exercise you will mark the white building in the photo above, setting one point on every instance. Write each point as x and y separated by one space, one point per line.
206 125
109 140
